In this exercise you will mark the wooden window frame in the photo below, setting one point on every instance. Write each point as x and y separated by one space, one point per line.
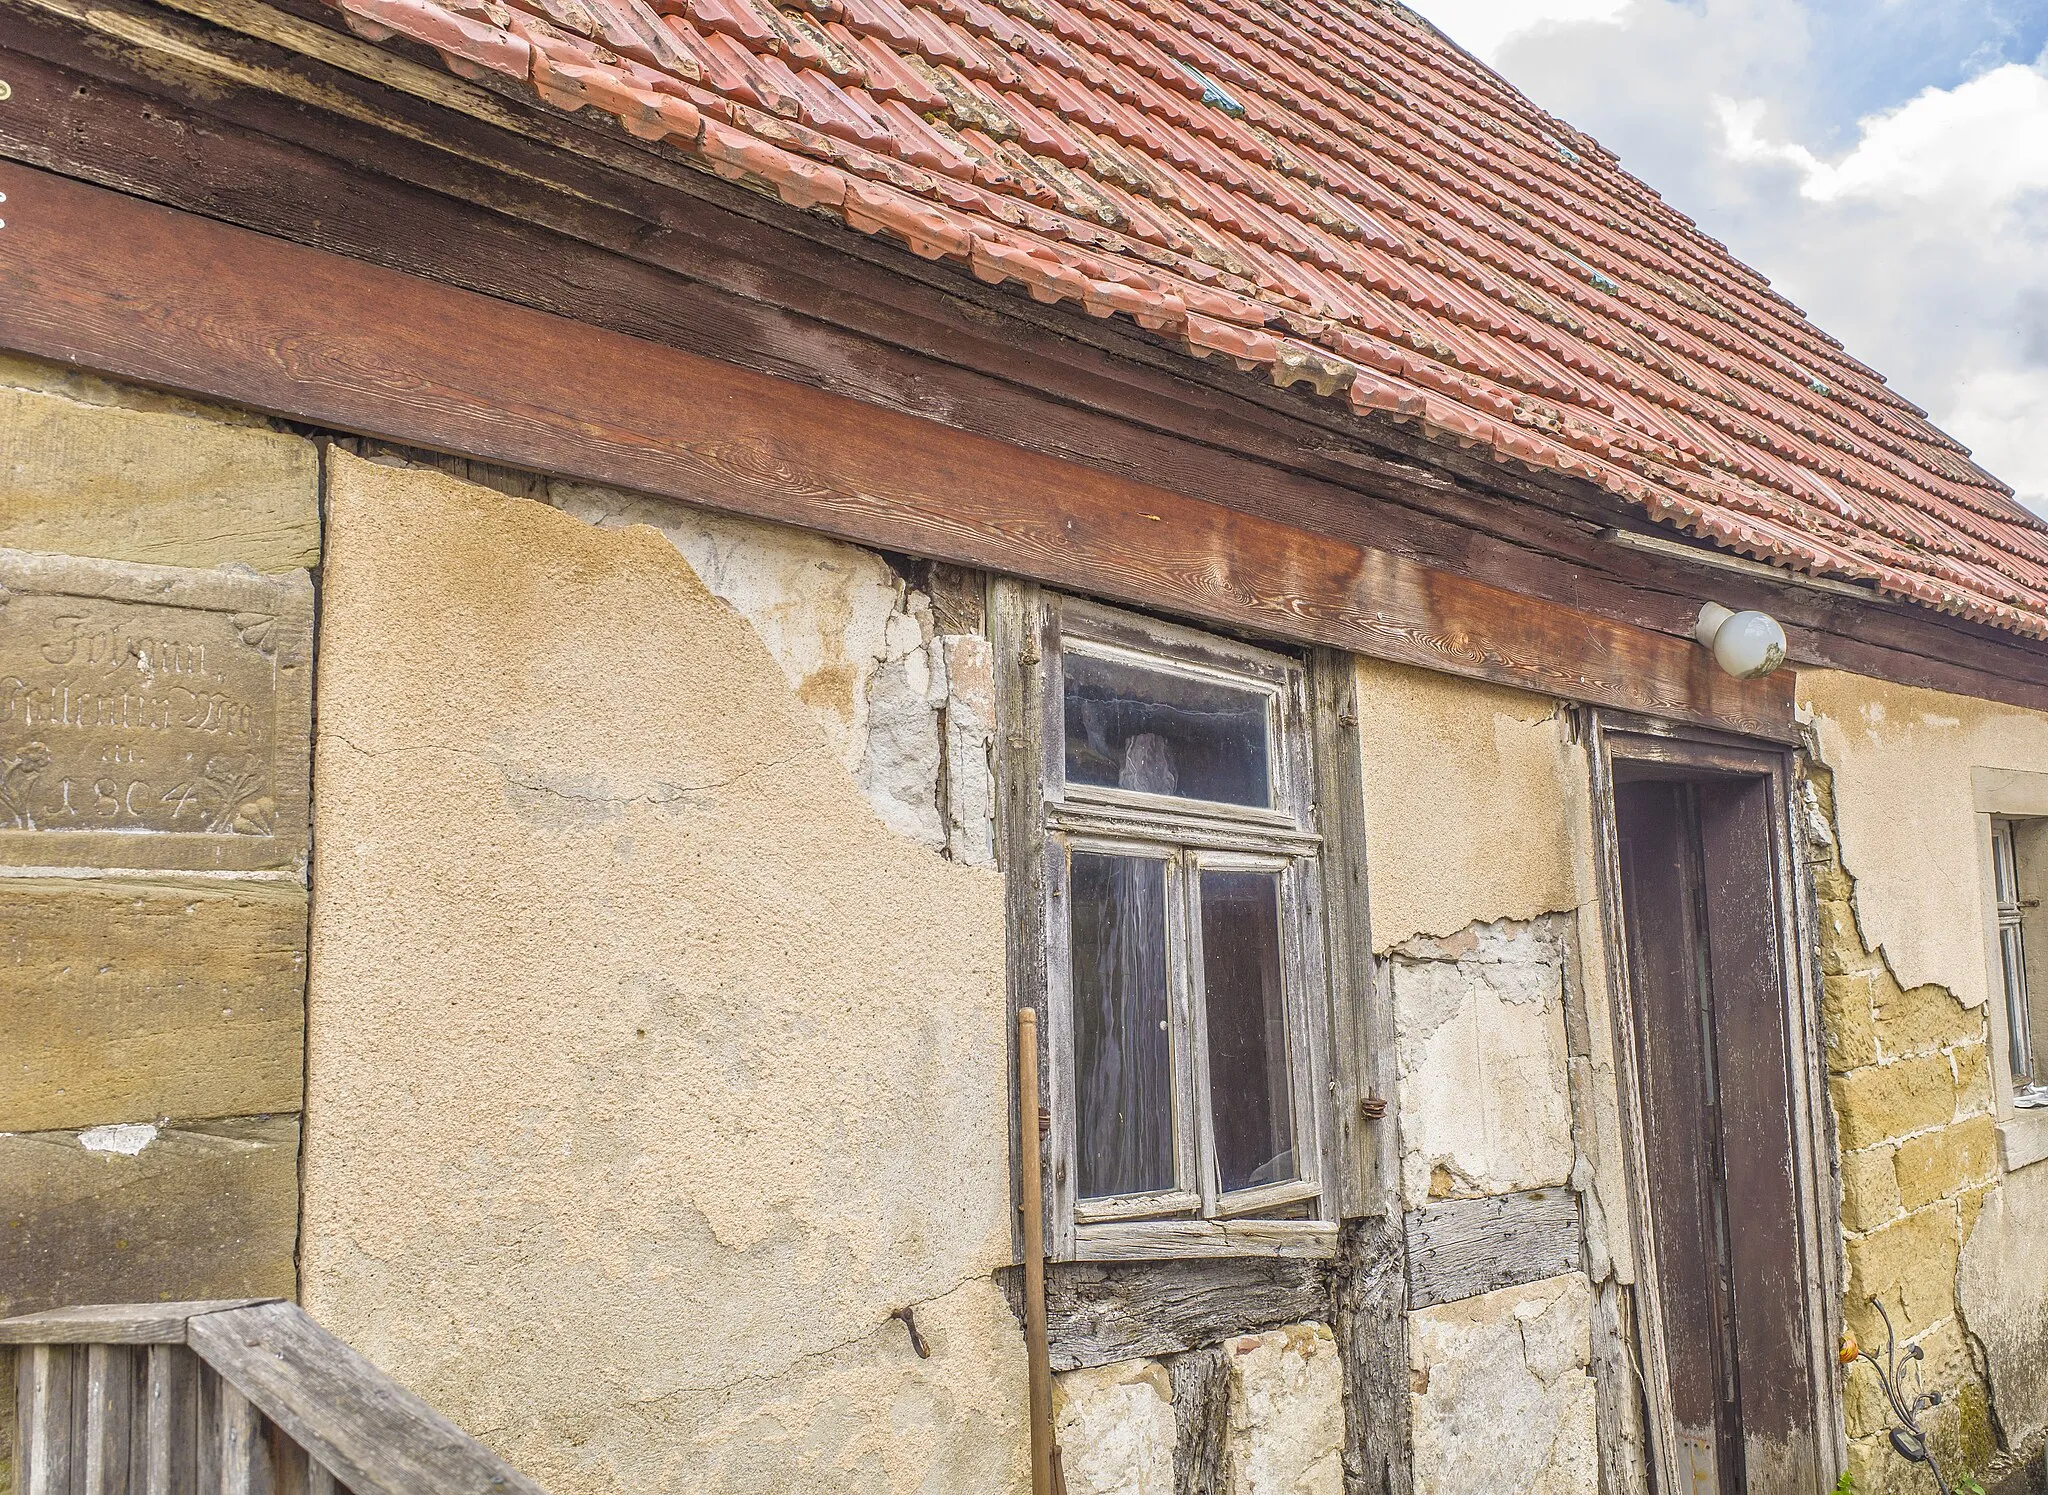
2020 798
1045 819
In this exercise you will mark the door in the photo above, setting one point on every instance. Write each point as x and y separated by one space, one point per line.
1711 1010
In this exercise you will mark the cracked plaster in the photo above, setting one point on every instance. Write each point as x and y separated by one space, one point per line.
636 1040
1906 814
908 711
1486 1102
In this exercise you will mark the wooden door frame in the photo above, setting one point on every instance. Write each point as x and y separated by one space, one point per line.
1617 737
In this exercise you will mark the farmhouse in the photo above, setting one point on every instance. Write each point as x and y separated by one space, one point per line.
976 746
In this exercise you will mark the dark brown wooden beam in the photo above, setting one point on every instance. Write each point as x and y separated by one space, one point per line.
97 279
644 245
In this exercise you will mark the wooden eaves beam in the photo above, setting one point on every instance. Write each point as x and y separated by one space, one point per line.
107 282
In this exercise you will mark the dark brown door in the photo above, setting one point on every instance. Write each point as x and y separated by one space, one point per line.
1700 899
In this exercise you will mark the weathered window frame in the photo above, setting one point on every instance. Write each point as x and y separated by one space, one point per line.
2018 798
1045 819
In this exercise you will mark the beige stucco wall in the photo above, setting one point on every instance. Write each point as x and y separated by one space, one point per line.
649 1071
1903 801
1468 794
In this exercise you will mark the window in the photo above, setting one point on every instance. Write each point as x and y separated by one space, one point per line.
1188 1012
2015 856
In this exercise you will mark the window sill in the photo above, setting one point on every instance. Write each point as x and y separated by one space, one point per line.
2023 1139
1160 1240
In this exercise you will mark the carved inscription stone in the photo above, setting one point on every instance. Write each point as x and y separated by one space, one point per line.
152 716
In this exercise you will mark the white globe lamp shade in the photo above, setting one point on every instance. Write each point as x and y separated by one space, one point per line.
1747 645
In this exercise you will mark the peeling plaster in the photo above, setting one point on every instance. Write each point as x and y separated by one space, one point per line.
649 1071
126 1138
860 648
1486 1104
1906 813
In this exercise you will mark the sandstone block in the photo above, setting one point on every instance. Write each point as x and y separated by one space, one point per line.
1502 1398
1286 1429
163 487
1936 1164
1870 1188
153 716
1848 1002
126 1214
1924 1019
136 1002
1973 1077
1911 1264
1881 1102
1115 1428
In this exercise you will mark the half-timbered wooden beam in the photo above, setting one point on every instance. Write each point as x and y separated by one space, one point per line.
144 292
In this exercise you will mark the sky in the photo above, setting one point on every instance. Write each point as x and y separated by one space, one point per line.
1884 162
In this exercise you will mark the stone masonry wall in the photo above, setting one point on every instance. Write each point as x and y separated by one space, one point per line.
155 613
1909 1075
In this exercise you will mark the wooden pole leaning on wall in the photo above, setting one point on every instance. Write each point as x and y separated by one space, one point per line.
1046 1475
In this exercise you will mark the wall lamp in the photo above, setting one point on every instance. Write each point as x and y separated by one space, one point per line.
1747 645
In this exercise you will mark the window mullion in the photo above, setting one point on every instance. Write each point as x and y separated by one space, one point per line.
1195 1017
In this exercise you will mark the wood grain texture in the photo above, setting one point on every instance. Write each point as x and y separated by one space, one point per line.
1370 1283
1362 1039
113 1323
1460 1248
790 293
1201 1418
1098 1313
172 1458
376 1437
146 293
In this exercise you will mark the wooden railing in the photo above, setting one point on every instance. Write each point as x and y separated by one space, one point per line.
238 1398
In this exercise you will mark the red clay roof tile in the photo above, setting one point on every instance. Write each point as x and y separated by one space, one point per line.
1438 249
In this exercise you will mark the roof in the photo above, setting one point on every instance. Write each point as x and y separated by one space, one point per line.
1326 189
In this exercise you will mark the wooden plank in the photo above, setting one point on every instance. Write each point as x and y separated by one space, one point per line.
220 311
1371 1289
1098 1313
1460 1248
171 1459
113 1323
1201 1418
1617 1395
46 1455
243 1447
115 1418
1362 1046
801 279
376 1437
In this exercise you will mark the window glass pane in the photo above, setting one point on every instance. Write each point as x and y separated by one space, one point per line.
1123 1071
1132 728
2004 874
2012 953
1247 1011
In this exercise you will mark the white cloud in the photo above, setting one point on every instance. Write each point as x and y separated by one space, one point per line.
1985 141
1483 27
2002 413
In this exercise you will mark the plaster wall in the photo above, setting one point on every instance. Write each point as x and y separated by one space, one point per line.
1468 803
1902 759
649 1070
